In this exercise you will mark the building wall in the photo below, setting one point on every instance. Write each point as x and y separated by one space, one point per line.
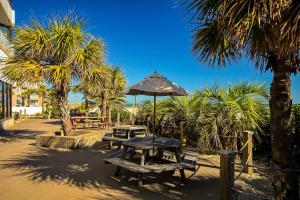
18 99
7 20
28 110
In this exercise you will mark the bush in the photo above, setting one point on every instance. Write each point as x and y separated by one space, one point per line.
124 115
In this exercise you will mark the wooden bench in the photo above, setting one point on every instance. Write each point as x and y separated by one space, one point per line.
140 170
189 159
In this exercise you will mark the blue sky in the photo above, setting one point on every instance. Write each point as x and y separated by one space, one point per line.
142 36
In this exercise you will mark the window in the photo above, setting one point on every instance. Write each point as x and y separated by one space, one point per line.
33 103
19 102
19 90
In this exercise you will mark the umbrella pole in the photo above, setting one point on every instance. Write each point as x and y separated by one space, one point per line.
154 116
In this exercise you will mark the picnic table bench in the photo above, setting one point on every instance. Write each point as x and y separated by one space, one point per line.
146 166
143 169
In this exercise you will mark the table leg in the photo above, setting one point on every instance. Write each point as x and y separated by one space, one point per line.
128 134
178 159
143 157
122 157
140 182
132 153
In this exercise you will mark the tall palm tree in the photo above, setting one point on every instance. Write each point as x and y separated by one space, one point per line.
266 32
58 52
111 93
25 96
42 91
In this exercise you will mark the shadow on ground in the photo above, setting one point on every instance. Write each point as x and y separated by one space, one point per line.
15 134
86 169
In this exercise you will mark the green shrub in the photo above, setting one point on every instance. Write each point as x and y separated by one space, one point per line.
124 115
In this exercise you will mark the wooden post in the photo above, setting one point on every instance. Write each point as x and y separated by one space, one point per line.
248 152
118 119
109 116
85 125
226 175
25 113
109 119
49 114
148 125
130 118
20 114
182 138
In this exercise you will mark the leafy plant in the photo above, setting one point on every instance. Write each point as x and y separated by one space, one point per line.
215 116
58 52
124 115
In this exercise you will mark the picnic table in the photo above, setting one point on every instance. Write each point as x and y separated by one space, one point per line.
86 121
124 133
151 159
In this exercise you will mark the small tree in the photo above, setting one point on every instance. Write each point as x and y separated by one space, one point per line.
58 53
110 93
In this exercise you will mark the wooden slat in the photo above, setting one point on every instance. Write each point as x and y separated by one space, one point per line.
117 139
156 168
127 165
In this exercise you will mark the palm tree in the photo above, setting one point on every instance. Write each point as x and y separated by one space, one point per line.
82 89
25 96
111 93
266 32
42 91
58 53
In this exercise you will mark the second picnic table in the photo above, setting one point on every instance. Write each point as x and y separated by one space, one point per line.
86 121
124 133
146 145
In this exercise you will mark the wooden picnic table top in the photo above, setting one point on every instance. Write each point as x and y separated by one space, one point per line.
130 127
147 143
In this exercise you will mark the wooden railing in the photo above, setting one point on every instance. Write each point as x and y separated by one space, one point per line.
227 169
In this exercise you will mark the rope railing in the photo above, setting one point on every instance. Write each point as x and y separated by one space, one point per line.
227 167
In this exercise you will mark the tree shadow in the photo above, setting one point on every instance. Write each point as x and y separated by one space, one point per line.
85 168
17 134
53 122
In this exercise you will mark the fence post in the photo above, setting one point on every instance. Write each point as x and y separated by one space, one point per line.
49 114
25 113
148 125
118 119
109 115
226 175
20 114
182 138
248 152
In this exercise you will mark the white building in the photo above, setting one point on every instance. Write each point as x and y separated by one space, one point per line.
7 22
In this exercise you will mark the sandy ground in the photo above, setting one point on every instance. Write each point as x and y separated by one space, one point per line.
31 172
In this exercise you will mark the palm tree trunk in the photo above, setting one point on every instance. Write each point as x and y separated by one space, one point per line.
28 100
64 111
104 103
86 101
285 184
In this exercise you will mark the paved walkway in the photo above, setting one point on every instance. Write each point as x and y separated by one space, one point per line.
31 172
